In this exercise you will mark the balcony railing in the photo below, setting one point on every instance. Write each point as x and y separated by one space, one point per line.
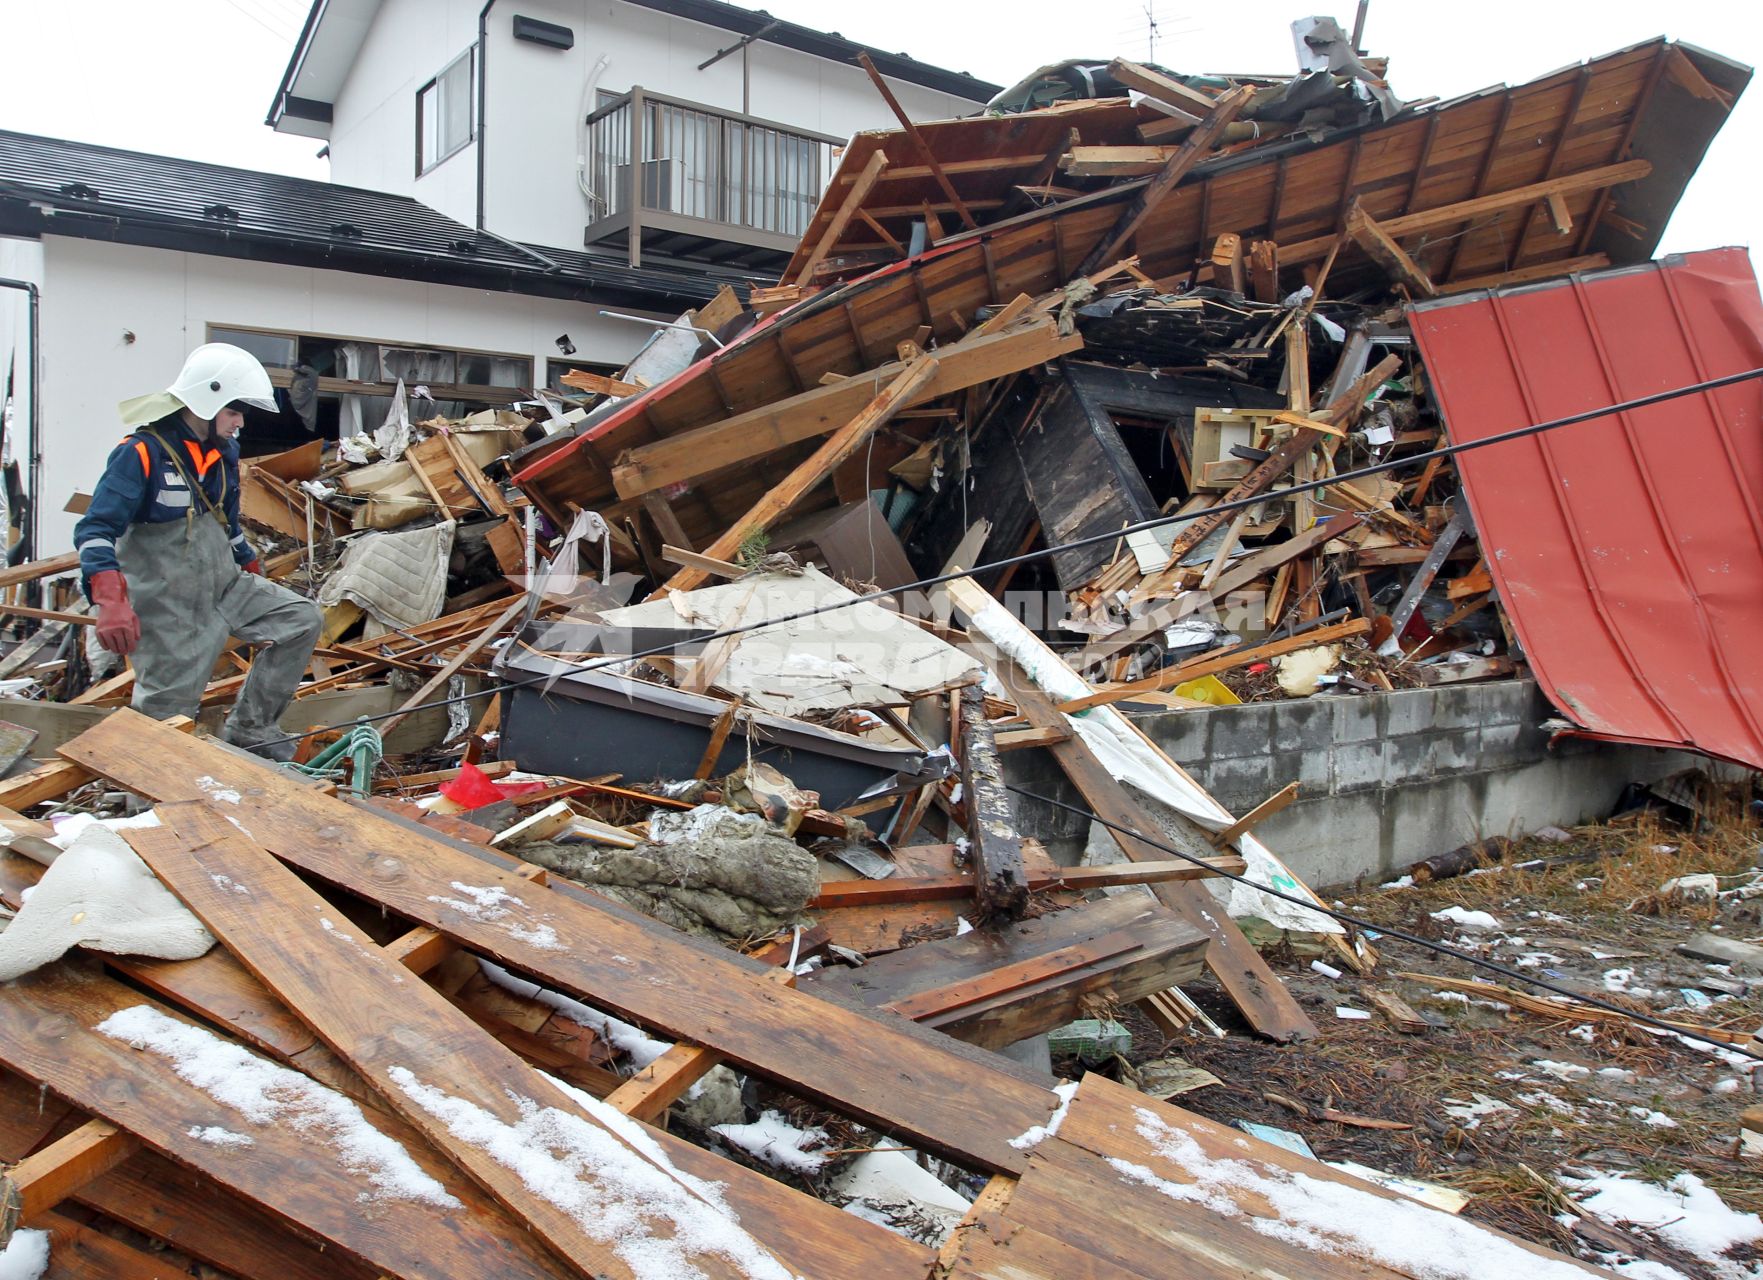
705 179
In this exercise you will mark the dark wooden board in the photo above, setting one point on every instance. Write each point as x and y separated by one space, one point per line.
384 1021
871 1068
1153 950
46 1035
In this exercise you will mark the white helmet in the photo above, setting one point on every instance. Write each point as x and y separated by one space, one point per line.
218 373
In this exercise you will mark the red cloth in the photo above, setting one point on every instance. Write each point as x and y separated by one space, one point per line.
474 788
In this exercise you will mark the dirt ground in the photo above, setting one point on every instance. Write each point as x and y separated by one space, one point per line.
1573 1098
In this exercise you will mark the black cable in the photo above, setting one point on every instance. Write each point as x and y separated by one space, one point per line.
1345 477
1384 931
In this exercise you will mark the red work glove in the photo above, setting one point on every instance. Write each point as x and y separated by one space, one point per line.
255 565
119 628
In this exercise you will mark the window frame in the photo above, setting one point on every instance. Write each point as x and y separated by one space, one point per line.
434 83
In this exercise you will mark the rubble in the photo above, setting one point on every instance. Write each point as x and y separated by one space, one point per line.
657 871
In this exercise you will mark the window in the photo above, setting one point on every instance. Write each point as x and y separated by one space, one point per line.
339 386
444 112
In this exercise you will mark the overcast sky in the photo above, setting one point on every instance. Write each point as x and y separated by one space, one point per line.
119 72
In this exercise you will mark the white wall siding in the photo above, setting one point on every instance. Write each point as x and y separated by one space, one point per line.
373 121
537 101
93 291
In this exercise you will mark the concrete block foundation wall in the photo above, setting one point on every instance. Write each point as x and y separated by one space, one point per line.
1383 779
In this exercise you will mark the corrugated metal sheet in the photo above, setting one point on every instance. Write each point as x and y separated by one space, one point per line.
1628 550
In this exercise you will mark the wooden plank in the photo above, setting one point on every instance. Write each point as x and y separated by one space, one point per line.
666 522
1191 151
692 560
45 1178
882 1074
1471 210
1266 809
853 200
1381 247
1208 665
1001 879
33 570
48 615
651 1091
746 436
420 1054
1164 88
1018 739
47 1021
842 444
994 988
923 148
598 384
849 893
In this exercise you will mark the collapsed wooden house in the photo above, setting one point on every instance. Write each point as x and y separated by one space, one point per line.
1160 372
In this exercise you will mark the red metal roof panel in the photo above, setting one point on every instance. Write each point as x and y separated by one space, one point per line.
1627 550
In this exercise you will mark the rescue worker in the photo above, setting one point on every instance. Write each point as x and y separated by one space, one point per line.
172 574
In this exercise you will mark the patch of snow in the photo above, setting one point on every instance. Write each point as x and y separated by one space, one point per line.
26 1256
267 1094
1655 1119
773 1139
1401 882
1732 1084
226 884
1037 1134
642 1049
962 925
616 1193
1336 1218
1448 997
215 1136
1536 959
218 791
489 905
1561 1070
1684 1213
1468 919
1351 1015
1621 1075
1470 1114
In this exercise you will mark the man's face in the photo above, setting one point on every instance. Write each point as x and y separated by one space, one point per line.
227 423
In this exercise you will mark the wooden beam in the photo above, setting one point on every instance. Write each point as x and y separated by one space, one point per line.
48 615
1153 83
1266 809
1470 210
1002 880
45 1178
818 410
1192 150
857 893
692 560
32 570
842 444
599 384
918 141
1382 248
854 198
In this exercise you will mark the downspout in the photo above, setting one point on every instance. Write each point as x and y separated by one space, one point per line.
483 97
483 82
34 456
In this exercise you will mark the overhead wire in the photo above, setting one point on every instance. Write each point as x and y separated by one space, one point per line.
1382 931
1223 508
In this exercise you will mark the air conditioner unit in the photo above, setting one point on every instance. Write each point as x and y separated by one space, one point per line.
663 183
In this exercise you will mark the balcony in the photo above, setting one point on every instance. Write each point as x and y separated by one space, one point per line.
711 186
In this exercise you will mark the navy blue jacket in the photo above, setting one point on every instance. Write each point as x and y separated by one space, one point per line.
141 485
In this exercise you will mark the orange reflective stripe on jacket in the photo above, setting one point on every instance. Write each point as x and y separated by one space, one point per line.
146 461
203 462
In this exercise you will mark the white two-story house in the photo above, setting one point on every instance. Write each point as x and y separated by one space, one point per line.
485 214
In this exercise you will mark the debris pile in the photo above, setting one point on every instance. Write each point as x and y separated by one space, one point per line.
652 881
